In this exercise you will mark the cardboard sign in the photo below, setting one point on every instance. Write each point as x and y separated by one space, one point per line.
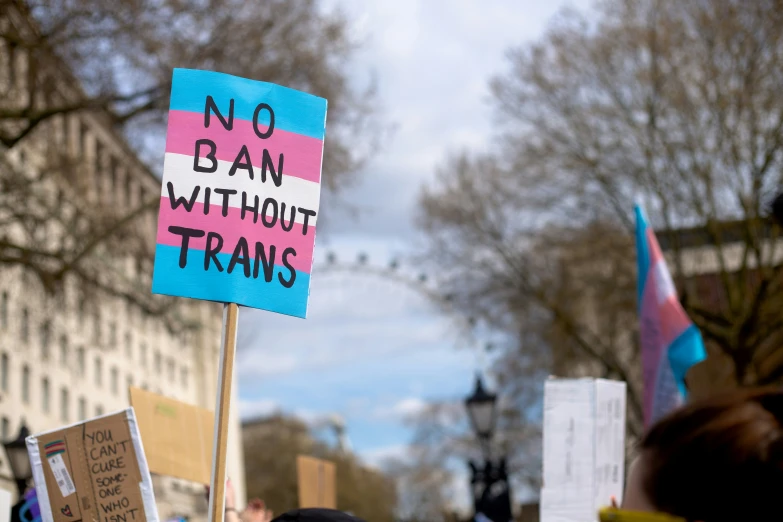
584 447
177 436
316 479
240 193
93 471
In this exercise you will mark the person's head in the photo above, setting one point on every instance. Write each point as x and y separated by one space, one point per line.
316 515
715 460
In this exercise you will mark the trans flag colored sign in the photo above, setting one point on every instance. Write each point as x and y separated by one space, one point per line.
240 193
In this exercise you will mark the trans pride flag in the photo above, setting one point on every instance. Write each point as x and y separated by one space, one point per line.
670 342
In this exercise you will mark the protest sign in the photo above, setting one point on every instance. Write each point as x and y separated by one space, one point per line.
93 471
240 193
584 447
239 203
177 436
5 505
316 480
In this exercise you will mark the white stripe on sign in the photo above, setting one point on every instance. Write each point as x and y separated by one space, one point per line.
292 191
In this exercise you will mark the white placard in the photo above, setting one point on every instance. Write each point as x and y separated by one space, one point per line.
5 505
583 447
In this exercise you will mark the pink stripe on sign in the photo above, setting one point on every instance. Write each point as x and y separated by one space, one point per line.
232 227
302 154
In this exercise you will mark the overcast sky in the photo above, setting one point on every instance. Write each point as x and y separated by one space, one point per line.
371 350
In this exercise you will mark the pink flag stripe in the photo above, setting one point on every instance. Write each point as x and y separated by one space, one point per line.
652 344
302 154
232 227
655 250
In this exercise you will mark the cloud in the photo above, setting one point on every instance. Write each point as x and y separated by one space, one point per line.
250 409
409 407
403 409
264 407
371 349
375 457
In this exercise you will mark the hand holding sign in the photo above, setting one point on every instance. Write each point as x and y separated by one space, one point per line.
239 201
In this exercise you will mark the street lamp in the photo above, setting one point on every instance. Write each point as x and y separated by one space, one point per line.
491 493
482 413
16 450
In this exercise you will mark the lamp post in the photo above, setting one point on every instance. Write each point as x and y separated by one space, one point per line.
491 496
16 450
482 414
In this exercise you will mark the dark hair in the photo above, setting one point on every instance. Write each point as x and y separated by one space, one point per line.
316 515
719 459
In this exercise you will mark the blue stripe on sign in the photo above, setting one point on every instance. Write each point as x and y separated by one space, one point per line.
295 111
211 285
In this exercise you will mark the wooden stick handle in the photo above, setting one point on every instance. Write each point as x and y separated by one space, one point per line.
217 490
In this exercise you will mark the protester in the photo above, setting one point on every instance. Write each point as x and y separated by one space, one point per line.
254 512
316 515
714 460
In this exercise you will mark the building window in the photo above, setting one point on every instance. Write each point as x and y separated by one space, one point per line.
112 335
81 360
172 371
184 376
128 189
82 408
158 362
130 381
98 371
11 50
64 405
82 307
114 174
83 133
4 372
5 429
128 346
64 350
98 168
98 410
26 384
139 270
25 329
4 310
65 136
45 395
46 333
143 355
115 381
96 327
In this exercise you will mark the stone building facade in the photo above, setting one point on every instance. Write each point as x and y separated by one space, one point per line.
66 357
